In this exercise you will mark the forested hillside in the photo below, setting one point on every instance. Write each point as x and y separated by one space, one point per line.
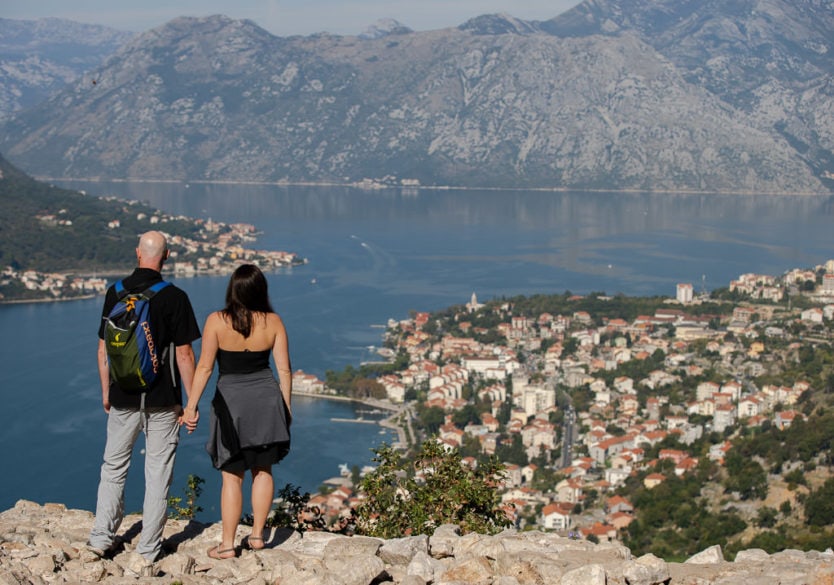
46 228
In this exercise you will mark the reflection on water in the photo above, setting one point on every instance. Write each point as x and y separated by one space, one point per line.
635 243
584 215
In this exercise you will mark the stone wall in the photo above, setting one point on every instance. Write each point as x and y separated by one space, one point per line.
46 544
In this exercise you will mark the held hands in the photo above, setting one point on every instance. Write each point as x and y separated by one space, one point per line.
190 418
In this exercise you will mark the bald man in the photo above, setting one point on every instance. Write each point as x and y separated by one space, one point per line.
156 413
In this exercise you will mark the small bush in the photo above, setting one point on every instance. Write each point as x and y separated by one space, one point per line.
185 507
440 489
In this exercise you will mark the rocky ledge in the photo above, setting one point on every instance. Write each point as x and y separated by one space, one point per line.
46 544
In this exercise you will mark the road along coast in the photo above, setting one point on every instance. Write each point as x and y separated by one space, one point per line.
395 422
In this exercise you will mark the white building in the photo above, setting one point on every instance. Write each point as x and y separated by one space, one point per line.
532 398
684 293
556 516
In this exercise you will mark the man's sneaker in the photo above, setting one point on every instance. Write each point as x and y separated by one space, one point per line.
140 566
149 569
100 553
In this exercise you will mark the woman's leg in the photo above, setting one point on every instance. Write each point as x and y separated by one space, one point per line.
231 507
263 492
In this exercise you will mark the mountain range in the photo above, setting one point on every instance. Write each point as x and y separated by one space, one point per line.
673 95
40 57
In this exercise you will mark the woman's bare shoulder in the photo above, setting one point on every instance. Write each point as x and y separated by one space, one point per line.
274 322
215 318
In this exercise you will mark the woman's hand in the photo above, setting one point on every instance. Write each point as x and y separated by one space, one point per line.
190 418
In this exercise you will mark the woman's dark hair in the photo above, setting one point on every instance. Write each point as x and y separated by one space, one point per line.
247 293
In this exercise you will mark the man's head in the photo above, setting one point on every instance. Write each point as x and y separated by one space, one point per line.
152 250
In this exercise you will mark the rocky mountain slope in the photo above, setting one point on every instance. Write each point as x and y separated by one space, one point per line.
40 544
39 57
630 94
771 59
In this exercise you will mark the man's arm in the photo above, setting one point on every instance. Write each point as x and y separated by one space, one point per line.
185 364
104 375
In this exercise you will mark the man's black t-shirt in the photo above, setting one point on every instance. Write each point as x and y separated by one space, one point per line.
173 320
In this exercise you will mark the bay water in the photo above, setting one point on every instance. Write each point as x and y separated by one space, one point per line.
374 255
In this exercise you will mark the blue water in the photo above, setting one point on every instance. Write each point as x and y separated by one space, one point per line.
52 426
374 256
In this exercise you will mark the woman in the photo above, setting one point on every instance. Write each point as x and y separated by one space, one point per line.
250 416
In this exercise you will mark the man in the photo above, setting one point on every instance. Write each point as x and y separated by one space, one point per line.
156 413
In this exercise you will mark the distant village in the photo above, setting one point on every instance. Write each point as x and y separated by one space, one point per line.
605 442
216 248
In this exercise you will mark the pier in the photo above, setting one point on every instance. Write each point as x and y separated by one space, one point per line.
354 420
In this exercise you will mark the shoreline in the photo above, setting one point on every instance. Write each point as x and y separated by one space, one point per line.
53 300
121 273
387 422
366 401
383 186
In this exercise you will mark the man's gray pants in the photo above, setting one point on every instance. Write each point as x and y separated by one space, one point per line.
161 429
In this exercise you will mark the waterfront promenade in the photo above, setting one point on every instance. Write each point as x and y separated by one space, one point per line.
401 424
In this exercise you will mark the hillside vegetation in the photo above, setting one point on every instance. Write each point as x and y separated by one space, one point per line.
46 228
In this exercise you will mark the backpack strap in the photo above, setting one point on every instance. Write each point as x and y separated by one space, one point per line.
170 352
151 291
167 352
119 287
121 291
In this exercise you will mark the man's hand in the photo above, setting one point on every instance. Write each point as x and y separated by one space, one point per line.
190 418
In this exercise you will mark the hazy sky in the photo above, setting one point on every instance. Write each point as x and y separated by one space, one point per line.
284 17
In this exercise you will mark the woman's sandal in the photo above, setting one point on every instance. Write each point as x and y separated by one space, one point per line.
247 542
216 552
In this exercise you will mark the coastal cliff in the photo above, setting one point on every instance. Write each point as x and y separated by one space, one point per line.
46 544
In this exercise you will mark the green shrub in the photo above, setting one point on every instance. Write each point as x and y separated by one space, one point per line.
291 511
185 507
399 502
